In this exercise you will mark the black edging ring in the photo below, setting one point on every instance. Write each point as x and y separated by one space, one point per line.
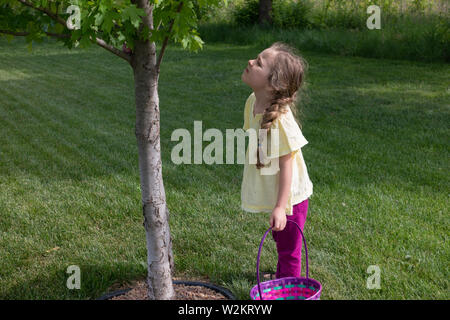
225 292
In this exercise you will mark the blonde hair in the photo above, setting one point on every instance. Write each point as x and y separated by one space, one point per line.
286 77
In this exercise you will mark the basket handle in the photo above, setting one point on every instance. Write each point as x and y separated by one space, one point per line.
259 255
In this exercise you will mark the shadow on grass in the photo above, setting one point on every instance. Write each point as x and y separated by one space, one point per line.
95 280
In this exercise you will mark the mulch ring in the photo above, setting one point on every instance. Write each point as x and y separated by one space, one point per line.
182 292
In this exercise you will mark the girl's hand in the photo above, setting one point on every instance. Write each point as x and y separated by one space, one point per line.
278 219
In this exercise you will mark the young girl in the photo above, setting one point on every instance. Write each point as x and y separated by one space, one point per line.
275 77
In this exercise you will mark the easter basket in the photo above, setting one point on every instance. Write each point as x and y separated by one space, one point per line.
289 288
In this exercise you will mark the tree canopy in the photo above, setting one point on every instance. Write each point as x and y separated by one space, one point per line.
105 22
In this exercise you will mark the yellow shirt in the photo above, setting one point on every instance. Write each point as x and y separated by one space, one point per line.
259 192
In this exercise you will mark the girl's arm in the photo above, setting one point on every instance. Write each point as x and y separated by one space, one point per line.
285 180
278 217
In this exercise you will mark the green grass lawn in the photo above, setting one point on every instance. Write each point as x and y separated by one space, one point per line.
378 156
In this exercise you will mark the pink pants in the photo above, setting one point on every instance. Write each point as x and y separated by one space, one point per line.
289 243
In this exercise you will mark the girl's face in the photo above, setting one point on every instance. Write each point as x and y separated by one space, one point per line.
257 71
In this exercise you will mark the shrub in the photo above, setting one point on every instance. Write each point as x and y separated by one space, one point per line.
246 13
285 13
292 14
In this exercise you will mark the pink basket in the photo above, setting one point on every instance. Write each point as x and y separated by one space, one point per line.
290 288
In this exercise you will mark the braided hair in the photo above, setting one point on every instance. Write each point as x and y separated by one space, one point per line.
285 77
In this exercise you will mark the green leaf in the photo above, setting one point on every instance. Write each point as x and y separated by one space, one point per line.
98 19
199 41
133 14
59 28
85 41
53 6
108 22
76 34
185 42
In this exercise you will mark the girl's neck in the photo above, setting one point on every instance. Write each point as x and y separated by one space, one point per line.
262 101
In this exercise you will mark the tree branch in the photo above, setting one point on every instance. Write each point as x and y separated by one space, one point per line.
24 34
166 39
114 50
99 41
61 21
46 11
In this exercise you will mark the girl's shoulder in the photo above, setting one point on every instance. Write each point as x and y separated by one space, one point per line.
250 99
247 103
286 120
289 128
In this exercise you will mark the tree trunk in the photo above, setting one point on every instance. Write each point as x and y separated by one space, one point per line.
156 213
265 12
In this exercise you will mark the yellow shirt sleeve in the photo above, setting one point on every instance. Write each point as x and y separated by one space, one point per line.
290 137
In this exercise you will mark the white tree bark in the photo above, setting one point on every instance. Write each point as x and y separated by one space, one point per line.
155 211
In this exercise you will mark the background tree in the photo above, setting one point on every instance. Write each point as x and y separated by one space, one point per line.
265 12
130 30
